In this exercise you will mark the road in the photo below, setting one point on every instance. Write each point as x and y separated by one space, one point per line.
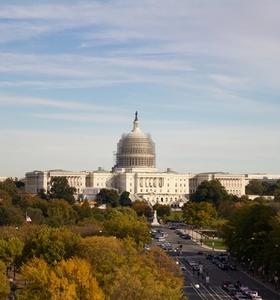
214 291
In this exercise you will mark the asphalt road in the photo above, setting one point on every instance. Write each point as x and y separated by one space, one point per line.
214 290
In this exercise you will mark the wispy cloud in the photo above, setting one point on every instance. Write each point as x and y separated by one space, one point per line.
11 100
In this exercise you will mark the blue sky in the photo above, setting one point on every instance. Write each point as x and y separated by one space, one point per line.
204 76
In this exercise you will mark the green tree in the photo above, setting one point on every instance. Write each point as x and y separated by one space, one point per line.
9 186
162 210
248 233
108 197
124 199
36 215
11 215
211 191
52 244
60 189
60 212
124 223
201 214
255 187
10 251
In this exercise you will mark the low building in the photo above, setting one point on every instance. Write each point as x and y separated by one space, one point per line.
233 183
262 176
38 180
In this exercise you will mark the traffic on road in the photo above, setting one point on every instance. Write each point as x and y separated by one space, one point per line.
209 274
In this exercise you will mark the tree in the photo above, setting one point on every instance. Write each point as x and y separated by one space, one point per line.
10 251
105 254
255 187
162 210
199 214
211 191
60 189
124 199
60 212
52 244
11 215
4 283
108 197
36 215
153 276
248 234
124 223
71 280
9 186
142 208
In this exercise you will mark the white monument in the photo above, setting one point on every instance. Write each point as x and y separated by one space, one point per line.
155 220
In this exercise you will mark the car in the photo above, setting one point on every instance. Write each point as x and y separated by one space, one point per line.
209 256
183 268
252 294
233 267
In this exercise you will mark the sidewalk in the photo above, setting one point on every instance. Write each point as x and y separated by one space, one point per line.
197 238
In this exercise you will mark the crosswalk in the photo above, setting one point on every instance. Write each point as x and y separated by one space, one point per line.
208 293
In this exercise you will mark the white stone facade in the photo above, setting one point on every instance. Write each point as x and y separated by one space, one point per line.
233 183
135 171
38 180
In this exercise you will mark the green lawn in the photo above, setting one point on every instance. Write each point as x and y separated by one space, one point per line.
218 244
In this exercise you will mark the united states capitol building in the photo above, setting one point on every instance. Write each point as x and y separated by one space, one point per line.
135 171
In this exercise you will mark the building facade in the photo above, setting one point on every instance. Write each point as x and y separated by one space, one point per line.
233 183
38 180
135 171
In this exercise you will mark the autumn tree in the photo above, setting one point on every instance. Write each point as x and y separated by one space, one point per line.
142 208
72 280
4 283
10 251
152 276
105 254
60 212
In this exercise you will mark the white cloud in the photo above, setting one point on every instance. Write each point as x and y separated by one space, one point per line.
59 104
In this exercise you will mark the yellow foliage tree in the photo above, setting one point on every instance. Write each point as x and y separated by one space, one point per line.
4 283
70 280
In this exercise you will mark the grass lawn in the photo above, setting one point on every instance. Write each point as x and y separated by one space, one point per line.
218 243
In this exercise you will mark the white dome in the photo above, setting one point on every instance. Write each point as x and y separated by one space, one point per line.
135 149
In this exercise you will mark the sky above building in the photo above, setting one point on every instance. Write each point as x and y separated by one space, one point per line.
204 76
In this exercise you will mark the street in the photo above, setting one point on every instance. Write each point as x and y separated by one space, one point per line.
195 285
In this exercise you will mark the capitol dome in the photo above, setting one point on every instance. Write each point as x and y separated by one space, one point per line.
135 149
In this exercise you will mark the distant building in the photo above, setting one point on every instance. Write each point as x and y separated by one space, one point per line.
233 183
38 180
262 176
135 171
